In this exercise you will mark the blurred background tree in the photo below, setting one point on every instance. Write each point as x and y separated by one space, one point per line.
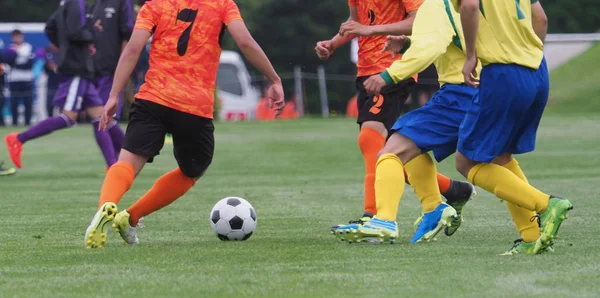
289 29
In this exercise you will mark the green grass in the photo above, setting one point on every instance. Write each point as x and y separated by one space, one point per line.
574 86
301 176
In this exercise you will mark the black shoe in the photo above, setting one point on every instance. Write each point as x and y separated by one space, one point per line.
457 196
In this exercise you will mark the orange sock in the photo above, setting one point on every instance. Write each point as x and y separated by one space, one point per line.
168 188
370 143
119 179
443 182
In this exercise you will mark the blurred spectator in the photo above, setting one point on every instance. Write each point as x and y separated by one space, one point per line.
46 62
20 57
112 29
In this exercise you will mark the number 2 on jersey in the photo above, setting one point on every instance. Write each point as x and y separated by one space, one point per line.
376 108
189 16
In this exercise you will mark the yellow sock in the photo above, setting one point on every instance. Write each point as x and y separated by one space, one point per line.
422 174
529 230
507 186
389 186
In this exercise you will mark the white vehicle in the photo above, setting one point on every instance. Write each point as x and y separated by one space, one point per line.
238 98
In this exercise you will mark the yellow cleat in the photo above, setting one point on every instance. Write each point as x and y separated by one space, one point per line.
127 232
99 223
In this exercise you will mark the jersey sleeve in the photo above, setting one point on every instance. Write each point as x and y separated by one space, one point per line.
534 1
432 33
231 12
412 5
148 16
352 2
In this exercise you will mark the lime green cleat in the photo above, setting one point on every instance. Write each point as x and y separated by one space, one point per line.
6 171
551 219
528 248
469 192
127 232
95 235
375 231
169 139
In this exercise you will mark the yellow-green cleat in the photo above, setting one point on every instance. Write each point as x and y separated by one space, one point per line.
521 247
6 171
551 220
366 217
127 232
374 231
95 235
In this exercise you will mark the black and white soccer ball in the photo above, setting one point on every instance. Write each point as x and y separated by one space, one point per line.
233 218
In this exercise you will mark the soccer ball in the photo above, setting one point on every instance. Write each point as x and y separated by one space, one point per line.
233 218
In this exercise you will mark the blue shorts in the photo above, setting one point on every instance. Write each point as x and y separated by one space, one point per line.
434 126
504 117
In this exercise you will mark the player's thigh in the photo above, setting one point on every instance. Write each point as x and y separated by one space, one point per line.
434 127
145 134
193 143
401 146
497 112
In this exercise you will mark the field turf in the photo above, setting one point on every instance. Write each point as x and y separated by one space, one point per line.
301 176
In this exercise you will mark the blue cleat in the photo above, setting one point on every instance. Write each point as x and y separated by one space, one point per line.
375 230
433 222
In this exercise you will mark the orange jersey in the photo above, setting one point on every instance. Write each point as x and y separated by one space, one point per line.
185 51
378 12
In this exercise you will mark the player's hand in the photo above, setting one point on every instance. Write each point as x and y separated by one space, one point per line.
324 49
470 71
276 98
110 109
2 69
374 84
92 49
353 27
394 44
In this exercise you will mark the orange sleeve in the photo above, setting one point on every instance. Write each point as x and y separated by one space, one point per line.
352 2
411 5
148 16
231 12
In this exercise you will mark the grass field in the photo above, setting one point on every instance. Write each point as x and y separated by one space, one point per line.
301 176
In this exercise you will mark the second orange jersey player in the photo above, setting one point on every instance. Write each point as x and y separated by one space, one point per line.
372 21
177 98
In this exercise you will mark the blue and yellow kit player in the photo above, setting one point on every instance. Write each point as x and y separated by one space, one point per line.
504 117
437 38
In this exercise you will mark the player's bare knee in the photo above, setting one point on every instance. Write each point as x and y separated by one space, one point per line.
503 159
463 164
95 112
137 161
69 116
374 125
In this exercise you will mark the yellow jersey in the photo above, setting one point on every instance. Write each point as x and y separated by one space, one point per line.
437 38
506 34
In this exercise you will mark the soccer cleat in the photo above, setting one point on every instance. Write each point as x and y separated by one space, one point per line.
6 172
457 197
15 148
433 222
127 232
366 216
375 230
551 219
528 248
95 235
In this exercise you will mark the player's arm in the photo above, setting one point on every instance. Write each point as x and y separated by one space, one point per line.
432 34
51 30
257 57
325 48
252 51
403 27
539 20
76 31
128 60
469 17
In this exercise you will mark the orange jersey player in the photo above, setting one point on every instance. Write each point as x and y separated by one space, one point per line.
177 98
372 21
